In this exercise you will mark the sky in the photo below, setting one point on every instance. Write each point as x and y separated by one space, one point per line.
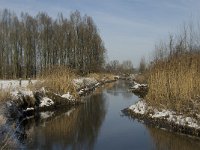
129 28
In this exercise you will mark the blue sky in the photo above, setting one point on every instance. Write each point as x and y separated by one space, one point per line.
129 28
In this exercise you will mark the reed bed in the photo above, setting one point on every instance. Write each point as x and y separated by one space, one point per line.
174 75
175 83
59 80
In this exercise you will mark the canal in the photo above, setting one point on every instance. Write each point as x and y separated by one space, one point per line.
99 124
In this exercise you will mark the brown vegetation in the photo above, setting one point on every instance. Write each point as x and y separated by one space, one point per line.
59 80
4 95
141 78
173 78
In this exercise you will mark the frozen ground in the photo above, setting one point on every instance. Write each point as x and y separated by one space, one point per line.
84 82
68 96
17 91
142 108
14 84
137 85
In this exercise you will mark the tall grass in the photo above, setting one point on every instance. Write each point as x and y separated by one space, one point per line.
59 80
174 77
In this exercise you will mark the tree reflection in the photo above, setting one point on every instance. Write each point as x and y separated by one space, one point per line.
120 87
76 130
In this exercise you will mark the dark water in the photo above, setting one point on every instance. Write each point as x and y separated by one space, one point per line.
100 125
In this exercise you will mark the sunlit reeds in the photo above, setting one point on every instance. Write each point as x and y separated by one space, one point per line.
174 76
59 80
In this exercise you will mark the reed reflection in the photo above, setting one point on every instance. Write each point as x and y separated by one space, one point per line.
75 129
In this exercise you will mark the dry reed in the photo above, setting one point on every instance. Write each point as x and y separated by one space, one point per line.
59 80
174 82
173 76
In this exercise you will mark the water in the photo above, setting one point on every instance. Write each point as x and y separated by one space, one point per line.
99 124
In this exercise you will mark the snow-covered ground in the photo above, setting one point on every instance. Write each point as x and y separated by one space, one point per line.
85 84
78 83
139 107
137 85
14 84
142 108
68 96
116 77
23 91
18 92
45 101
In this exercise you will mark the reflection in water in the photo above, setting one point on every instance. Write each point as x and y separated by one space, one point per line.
165 140
75 130
120 88
98 124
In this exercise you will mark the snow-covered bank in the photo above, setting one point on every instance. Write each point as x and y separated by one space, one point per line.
85 86
137 86
139 89
84 82
26 101
165 118
15 84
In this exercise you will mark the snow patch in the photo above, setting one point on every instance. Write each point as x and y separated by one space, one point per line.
84 82
14 84
116 77
46 102
97 84
26 92
28 109
139 107
137 85
142 108
68 96
81 92
163 113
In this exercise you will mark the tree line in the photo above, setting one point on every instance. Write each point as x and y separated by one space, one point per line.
115 66
30 45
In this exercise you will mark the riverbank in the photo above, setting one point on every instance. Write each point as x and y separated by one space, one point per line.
27 99
163 118
27 102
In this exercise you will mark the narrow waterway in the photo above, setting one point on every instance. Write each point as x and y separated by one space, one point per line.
99 124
